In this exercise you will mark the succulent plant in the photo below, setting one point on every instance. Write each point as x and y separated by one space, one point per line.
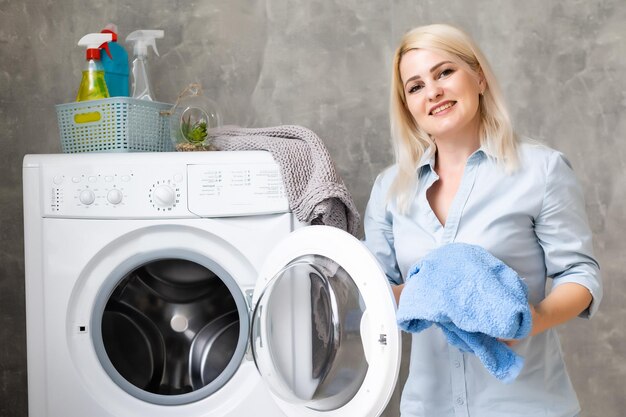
194 132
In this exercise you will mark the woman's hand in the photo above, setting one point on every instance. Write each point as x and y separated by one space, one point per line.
562 304
533 331
397 290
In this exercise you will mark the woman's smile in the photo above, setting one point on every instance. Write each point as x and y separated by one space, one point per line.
441 108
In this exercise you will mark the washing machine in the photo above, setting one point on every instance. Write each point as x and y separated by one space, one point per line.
180 284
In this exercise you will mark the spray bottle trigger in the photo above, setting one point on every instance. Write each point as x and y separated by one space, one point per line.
105 46
153 44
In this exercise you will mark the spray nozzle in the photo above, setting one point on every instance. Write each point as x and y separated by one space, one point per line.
144 38
94 42
112 29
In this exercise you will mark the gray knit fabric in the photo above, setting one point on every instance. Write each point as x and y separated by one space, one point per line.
315 191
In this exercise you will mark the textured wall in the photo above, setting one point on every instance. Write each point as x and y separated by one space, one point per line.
324 64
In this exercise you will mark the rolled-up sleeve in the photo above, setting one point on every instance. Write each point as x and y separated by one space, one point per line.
563 231
378 225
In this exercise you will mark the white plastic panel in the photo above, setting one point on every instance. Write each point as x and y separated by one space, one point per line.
236 189
159 185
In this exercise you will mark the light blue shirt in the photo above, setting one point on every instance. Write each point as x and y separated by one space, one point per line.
533 220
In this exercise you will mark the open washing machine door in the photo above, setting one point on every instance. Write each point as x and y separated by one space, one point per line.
324 334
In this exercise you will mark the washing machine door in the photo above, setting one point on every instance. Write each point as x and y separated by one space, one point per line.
324 335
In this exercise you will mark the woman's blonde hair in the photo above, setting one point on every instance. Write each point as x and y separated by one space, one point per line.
410 141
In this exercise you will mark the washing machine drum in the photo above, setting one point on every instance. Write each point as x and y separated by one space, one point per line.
172 328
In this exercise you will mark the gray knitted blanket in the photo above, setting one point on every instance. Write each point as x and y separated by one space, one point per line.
315 192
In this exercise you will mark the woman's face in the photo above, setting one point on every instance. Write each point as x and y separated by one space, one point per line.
441 95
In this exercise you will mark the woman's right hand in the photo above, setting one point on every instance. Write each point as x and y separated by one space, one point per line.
397 290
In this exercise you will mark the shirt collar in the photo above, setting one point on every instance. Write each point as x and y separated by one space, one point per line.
479 154
429 157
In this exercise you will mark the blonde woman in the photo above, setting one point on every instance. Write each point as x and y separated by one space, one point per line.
461 175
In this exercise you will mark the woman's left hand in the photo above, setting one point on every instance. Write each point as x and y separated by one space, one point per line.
533 330
562 304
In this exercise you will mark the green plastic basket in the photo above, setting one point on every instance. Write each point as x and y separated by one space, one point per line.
117 124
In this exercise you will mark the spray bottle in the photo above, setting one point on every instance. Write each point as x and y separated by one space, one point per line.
115 68
142 39
93 85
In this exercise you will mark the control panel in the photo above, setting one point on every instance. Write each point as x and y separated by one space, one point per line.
236 190
178 190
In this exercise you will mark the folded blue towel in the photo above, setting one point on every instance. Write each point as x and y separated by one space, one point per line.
474 298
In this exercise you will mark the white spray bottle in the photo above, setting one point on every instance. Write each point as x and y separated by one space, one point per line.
141 88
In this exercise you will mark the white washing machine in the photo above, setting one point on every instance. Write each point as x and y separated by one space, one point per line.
179 284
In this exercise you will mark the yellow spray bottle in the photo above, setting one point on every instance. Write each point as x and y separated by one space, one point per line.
93 85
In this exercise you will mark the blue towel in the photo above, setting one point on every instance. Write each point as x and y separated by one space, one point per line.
474 298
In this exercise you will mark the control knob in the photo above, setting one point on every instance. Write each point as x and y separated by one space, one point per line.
87 197
164 196
114 196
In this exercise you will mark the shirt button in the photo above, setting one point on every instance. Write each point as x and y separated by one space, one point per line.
460 401
457 364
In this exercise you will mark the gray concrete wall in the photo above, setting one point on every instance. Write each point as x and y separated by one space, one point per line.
325 64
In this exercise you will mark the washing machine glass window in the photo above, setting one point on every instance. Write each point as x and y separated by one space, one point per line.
306 337
171 331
